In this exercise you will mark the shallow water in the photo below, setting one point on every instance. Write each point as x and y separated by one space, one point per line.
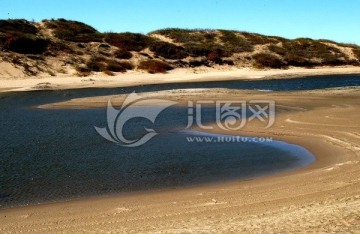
51 155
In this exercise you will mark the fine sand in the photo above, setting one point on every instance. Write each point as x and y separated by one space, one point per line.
322 197
100 80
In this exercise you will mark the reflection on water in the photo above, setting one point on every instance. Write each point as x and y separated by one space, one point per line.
49 155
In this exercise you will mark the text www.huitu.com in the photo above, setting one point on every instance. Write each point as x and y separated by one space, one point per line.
227 139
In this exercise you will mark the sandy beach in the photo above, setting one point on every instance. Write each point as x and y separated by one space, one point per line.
322 197
134 78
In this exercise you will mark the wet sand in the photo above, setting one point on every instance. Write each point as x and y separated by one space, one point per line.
322 197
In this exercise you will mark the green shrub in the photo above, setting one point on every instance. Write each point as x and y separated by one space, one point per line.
73 31
96 65
155 66
198 63
356 52
168 50
186 35
266 60
129 41
308 49
101 64
17 25
123 54
257 39
207 49
234 43
196 50
25 43
298 61
277 49
115 66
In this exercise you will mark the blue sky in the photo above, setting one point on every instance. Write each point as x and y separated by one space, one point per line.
333 19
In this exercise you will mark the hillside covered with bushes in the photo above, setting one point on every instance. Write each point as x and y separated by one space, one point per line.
54 47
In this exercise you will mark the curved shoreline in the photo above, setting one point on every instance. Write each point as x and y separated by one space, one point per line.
323 196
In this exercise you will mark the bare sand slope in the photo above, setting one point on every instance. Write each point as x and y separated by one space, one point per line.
323 197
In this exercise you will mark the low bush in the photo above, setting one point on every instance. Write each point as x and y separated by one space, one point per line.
356 52
73 31
155 66
96 63
196 50
266 60
277 49
123 54
101 64
168 50
298 61
115 66
17 25
234 43
308 49
257 39
129 41
198 63
187 35
25 43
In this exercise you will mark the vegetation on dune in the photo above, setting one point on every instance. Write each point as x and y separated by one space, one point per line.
168 50
186 35
103 64
123 54
155 66
266 60
129 41
24 43
17 25
258 39
233 43
305 52
80 46
356 52
75 31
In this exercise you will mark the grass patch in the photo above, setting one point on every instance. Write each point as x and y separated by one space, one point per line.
308 48
356 52
187 35
115 66
123 54
17 25
298 61
258 39
24 43
168 50
266 60
129 41
305 52
234 43
155 66
75 31
101 64
277 49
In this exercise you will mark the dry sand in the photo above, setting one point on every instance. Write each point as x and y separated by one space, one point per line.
322 197
99 80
